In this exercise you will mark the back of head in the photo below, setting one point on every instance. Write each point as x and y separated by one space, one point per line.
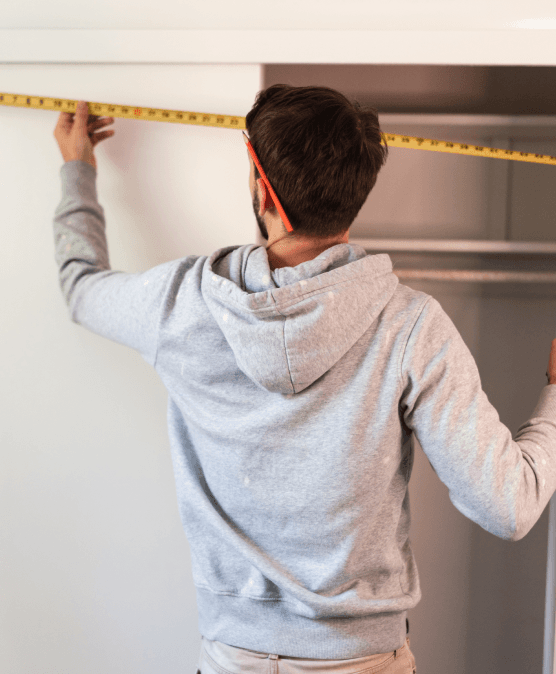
320 152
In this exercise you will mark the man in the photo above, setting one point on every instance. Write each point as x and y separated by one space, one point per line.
297 374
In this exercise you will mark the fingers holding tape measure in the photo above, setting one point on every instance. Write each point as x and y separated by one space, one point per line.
94 122
76 133
99 124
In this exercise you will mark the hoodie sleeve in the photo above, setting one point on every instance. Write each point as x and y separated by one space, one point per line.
502 484
125 308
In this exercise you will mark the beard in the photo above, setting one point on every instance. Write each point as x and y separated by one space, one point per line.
262 227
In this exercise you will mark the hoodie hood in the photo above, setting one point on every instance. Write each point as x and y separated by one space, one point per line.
289 326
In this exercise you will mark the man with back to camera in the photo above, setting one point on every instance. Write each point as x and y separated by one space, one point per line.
297 374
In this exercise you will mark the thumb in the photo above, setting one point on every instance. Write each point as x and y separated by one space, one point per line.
81 115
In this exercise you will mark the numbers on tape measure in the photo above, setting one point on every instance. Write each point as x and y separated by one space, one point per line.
228 121
464 148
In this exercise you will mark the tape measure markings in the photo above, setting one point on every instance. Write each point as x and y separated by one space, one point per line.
237 122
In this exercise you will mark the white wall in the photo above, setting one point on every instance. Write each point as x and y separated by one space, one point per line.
95 573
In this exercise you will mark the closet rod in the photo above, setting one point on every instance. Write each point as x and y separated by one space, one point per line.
477 275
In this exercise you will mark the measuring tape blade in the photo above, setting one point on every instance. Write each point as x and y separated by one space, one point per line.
236 122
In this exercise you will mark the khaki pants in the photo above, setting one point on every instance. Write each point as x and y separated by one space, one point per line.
219 658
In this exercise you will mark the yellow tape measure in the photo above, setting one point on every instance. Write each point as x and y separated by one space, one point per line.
236 122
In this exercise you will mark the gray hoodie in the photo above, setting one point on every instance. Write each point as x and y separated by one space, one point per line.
292 398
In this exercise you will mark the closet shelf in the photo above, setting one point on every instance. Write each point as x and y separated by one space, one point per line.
457 246
464 246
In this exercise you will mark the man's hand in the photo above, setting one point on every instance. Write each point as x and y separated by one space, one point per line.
75 133
551 372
